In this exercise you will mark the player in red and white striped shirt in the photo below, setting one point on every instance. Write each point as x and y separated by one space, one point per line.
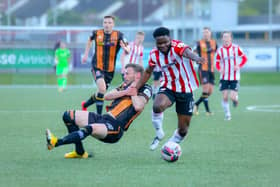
229 59
174 58
135 56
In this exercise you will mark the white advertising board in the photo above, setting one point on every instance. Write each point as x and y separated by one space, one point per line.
261 57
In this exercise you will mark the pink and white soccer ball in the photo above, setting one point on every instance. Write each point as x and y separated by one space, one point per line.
171 151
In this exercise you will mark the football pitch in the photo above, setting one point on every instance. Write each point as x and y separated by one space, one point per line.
242 152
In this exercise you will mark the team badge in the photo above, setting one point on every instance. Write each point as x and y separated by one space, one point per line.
98 73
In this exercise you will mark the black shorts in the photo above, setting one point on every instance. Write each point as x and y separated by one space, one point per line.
206 77
229 85
157 75
115 131
184 101
107 76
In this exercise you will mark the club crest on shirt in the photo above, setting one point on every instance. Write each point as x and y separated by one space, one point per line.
98 73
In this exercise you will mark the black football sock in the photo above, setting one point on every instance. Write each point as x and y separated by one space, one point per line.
90 101
202 97
99 102
75 137
72 127
205 102
79 145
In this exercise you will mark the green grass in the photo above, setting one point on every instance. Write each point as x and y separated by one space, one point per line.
241 152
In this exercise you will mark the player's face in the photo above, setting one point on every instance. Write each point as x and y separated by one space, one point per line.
62 45
163 44
227 39
206 34
139 39
129 75
108 24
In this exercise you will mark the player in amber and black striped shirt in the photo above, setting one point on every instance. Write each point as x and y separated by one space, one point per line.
206 48
107 45
127 104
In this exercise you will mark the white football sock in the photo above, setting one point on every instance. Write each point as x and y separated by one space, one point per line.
157 119
176 137
225 105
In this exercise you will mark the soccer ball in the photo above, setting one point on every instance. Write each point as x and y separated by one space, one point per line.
171 151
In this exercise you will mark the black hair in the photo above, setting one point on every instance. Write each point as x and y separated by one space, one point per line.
161 31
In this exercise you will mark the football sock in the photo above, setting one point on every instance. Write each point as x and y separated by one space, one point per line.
59 82
205 102
63 82
72 127
75 137
90 101
225 105
177 137
99 102
202 98
157 119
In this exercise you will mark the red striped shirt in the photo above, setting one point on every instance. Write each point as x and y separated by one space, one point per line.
178 71
227 58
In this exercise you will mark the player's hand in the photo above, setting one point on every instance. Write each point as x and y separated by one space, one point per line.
201 60
236 67
131 91
222 71
84 59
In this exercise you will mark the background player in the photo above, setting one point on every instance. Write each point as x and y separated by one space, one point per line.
62 58
206 48
126 105
228 64
179 80
135 56
107 45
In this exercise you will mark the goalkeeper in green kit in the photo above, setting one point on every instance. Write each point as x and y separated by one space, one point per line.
62 56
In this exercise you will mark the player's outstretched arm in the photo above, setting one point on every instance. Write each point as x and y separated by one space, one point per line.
122 59
193 56
88 46
125 46
114 94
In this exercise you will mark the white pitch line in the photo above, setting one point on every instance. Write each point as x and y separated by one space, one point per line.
264 108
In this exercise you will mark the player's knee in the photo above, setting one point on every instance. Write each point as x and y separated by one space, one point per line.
68 117
157 108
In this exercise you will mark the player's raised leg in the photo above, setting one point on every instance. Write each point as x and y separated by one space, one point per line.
73 120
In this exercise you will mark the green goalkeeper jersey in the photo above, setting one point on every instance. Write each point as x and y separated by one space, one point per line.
62 56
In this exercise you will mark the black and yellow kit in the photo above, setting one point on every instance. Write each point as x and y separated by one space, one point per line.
207 49
106 48
122 114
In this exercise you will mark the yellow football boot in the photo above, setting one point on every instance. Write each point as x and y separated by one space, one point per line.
74 154
51 140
